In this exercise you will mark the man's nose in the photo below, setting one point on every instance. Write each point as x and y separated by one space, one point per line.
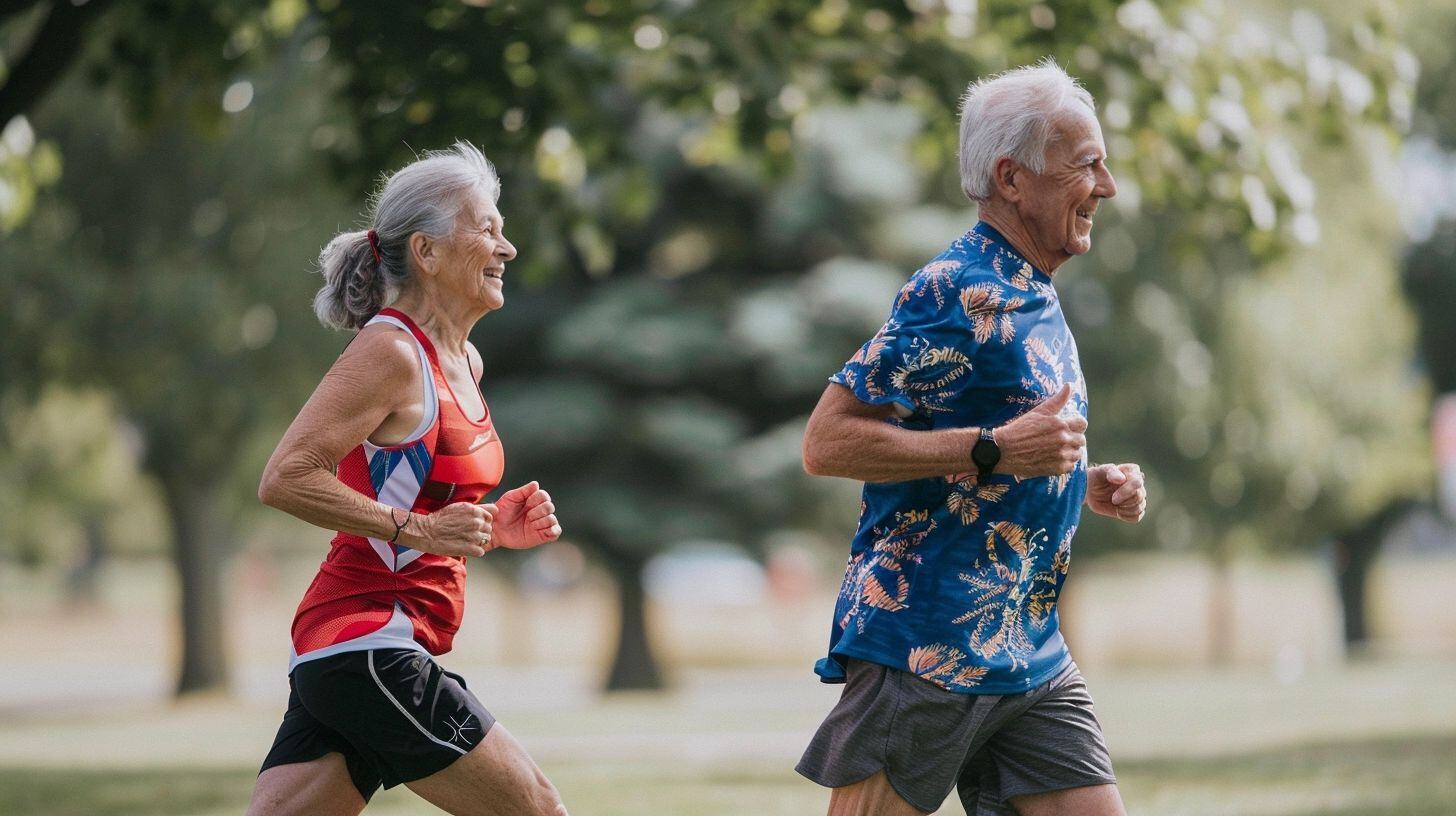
1106 185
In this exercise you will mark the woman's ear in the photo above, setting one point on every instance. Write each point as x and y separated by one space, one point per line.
423 251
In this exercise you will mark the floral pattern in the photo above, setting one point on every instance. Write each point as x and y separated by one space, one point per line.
954 580
877 577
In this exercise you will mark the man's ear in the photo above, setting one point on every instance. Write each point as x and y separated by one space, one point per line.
1005 177
423 250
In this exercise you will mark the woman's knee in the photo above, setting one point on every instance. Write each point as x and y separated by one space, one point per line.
548 799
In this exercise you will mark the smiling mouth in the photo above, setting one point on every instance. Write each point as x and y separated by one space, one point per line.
1085 215
494 273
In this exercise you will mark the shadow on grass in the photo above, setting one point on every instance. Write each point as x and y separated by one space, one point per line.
1386 777
151 792
1390 776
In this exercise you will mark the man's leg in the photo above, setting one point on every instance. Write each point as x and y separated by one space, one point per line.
870 797
1050 759
1092 800
891 723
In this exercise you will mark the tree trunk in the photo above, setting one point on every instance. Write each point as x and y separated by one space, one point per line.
198 550
81 580
1356 551
1221 624
54 48
634 666
1354 556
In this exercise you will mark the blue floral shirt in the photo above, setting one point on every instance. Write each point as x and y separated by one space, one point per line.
954 581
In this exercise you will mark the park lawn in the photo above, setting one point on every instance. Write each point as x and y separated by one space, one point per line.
1379 777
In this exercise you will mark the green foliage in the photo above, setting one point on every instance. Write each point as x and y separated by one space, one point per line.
674 167
169 267
26 167
1430 269
66 464
671 170
140 49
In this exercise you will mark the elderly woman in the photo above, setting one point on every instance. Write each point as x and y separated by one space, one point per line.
965 417
395 450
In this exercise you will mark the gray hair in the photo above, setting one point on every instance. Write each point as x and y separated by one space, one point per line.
424 196
1011 114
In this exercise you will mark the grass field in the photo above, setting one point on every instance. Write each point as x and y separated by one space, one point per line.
86 726
1370 739
1387 777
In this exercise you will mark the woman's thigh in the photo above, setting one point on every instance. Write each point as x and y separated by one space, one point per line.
497 778
320 787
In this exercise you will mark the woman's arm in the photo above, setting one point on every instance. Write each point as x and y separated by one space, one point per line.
375 386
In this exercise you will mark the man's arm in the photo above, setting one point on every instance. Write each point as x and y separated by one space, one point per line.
849 438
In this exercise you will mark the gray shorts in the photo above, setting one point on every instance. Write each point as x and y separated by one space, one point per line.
989 748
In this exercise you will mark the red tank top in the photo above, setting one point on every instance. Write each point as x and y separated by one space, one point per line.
371 594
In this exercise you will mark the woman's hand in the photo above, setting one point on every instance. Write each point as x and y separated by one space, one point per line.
461 529
525 518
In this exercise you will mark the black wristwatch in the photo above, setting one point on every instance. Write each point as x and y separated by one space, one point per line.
985 454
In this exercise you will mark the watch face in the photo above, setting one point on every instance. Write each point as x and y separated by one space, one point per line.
985 454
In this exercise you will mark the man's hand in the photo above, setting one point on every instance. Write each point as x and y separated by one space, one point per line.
1040 442
525 518
1117 491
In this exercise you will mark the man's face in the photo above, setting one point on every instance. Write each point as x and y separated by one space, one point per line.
1058 204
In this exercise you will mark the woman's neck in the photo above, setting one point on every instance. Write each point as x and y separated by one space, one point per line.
447 328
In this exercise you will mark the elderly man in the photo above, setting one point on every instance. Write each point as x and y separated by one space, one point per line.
964 415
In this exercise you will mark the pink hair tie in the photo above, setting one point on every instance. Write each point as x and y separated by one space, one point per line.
374 244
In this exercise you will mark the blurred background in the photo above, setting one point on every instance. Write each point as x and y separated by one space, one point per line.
715 203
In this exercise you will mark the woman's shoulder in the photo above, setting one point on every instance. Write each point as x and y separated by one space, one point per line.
477 364
389 350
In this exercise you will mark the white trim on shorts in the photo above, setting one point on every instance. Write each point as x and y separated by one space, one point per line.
405 712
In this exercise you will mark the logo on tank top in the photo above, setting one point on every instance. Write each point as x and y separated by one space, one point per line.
481 439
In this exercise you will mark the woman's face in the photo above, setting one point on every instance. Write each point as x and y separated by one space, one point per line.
472 261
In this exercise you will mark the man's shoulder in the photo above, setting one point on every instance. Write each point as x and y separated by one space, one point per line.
969 259
966 272
952 269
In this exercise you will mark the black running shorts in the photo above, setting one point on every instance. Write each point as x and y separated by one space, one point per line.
394 714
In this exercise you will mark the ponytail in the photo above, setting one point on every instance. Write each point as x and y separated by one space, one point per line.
354 287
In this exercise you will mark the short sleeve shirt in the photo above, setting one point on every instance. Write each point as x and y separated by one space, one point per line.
952 580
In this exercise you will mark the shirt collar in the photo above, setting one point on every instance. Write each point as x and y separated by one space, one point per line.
994 235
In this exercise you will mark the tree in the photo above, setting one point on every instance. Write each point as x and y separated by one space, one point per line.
649 146
183 299
1430 263
670 172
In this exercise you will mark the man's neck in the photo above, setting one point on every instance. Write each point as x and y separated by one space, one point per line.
1004 218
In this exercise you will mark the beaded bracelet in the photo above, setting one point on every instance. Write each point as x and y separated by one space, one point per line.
399 527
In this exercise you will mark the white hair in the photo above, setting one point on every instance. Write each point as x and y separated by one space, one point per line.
1013 114
424 196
